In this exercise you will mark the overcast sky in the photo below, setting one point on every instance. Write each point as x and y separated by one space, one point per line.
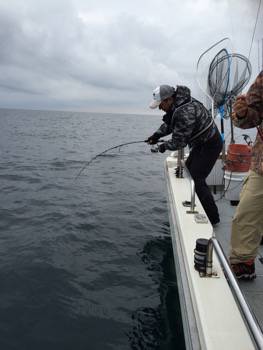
108 55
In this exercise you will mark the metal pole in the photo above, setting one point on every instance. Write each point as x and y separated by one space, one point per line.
231 122
192 184
209 258
252 324
258 57
180 162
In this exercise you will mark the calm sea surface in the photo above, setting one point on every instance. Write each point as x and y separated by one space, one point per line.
84 264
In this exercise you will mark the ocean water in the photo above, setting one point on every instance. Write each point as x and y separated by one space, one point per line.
85 263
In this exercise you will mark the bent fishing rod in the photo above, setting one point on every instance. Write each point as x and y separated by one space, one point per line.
107 150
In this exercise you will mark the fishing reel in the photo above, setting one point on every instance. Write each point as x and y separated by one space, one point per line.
155 149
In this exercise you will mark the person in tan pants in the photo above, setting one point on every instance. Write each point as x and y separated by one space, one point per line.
247 224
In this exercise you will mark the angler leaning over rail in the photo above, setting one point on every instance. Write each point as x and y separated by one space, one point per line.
190 124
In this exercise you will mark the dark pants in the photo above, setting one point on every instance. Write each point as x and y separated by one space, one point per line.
200 163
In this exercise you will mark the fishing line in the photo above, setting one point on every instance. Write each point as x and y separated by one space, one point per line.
255 26
233 31
105 151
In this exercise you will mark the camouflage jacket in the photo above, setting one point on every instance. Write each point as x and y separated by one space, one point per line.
189 122
254 118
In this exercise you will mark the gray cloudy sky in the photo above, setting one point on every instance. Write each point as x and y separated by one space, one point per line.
108 55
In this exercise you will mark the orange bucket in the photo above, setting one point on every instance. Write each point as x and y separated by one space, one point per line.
238 157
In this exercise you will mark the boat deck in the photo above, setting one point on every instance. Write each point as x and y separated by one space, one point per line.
212 316
252 290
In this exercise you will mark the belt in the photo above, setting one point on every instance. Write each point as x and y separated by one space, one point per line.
202 131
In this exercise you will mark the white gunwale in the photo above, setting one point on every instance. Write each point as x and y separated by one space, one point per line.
211 317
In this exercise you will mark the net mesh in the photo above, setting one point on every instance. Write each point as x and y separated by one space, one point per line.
222 74
227 76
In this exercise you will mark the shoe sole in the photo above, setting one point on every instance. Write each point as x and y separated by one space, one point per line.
247 277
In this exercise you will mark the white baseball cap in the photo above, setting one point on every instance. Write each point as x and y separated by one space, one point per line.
161 93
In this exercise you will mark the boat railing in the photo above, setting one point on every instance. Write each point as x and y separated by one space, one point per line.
247 314
192 186
250 321
180 159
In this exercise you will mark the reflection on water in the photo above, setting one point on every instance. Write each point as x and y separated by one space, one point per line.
160 327
71 275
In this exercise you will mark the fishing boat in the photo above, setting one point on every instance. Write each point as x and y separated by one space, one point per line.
218 312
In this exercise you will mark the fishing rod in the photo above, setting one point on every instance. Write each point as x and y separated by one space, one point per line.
105 151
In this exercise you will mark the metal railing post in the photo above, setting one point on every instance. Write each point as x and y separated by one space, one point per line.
192 184
180 160
252 324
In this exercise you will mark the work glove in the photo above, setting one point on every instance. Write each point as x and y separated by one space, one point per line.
161 148
152 140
